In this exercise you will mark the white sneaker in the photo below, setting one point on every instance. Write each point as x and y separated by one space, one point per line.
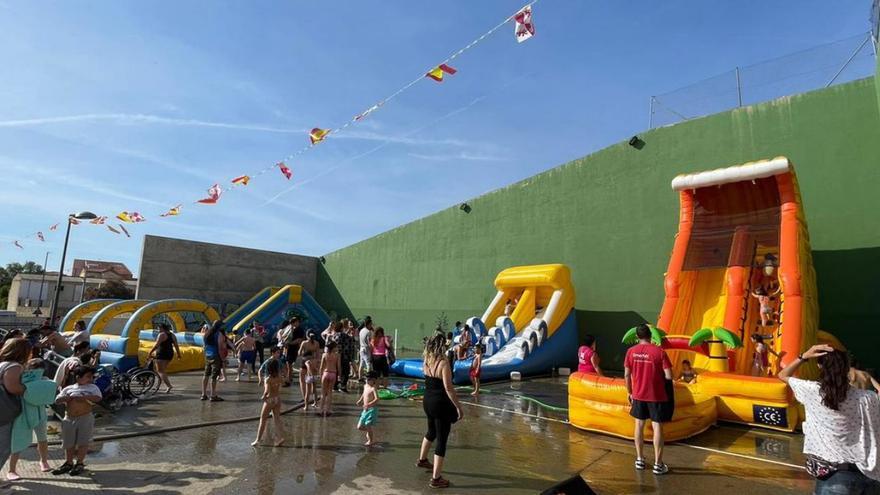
661 468
640 464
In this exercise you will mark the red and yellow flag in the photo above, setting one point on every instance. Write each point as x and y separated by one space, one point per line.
173 212
317 135
437 72
214 193
133 217
242 179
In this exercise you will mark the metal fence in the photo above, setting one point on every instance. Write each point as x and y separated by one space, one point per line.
814 68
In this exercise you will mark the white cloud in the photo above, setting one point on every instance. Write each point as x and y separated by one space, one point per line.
138 118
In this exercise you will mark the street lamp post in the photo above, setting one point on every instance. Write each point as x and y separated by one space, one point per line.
84 215
38 311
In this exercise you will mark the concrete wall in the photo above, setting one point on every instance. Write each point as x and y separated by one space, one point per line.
223 276
612 216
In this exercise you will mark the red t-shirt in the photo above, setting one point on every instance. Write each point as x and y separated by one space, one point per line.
646 363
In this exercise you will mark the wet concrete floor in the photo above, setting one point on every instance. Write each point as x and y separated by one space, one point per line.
506 444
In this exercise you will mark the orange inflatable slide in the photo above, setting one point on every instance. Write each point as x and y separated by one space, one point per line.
741 235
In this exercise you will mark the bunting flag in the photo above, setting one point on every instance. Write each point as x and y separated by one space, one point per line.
317 135
437 72
133 217
111 229
40 237
368 111
213 195
242 180
285 170
173 212
54 227
124 230
19 246
99 220
73 221
523 28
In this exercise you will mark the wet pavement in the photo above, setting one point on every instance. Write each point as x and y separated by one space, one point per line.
506 444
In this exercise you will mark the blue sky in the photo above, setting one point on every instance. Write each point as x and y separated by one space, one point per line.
138 106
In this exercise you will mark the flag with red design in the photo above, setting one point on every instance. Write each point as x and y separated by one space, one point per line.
99 221
285 170
73 221
242 180
437 72
54 227
213 195
524 27
133 217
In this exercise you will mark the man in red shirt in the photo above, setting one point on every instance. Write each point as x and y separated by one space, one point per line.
648 374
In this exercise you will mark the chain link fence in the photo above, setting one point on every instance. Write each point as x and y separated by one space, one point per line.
814 68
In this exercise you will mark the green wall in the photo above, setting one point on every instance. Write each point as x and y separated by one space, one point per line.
611 216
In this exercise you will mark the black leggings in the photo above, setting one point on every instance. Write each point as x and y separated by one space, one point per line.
260 355
438 429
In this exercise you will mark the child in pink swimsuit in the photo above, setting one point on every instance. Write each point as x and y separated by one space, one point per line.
588 359
329 371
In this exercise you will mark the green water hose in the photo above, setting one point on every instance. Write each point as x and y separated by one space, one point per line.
386 394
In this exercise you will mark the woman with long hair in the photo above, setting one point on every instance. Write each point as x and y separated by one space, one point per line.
379 356
842 428
213 338
441 408
163 352
14 354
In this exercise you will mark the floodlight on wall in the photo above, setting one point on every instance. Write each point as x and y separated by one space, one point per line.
636 142
465 207
322 260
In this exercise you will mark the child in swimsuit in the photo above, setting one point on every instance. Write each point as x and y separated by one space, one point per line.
688 375
311 365
475 368
369 399
271 404
246 348
329 371
768 305
761 359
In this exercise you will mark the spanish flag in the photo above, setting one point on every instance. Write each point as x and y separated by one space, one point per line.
317 135
173 212
242 179
437 72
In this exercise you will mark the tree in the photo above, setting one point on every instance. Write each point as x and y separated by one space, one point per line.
111 289
9 272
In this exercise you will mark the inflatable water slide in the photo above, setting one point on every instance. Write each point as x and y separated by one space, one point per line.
131 346
741 230
538 334
273 304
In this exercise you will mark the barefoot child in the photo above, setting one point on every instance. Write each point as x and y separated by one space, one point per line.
688 375
271 403
768 305
277 354
311 368
329 372
760 359
79 422
40 392
475 368
369 399
246 348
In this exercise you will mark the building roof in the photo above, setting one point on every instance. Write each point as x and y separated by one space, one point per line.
102 269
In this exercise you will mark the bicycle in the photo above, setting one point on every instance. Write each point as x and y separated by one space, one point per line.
125 389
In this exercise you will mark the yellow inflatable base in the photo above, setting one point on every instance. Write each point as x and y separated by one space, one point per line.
599 404
191 357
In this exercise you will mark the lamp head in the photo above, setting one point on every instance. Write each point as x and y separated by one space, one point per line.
84 215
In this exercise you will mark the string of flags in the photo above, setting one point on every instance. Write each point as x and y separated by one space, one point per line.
524 29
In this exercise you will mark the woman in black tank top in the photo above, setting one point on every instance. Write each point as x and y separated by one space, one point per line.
163 351
441 407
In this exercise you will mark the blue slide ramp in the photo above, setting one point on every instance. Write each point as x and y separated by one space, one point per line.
288 301
526 353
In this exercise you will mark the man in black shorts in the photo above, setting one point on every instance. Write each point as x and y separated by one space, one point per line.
648 374
292 341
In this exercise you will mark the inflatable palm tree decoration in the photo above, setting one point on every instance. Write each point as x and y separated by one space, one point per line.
657 336
719 340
